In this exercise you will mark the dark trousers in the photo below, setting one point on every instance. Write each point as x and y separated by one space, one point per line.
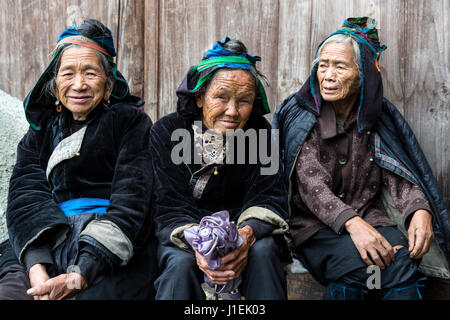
335 262
181 279
131 282
14 283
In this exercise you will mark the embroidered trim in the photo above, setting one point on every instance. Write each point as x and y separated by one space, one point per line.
209 145
200 185
82 41
388 159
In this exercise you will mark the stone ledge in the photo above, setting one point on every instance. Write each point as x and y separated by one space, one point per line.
302 286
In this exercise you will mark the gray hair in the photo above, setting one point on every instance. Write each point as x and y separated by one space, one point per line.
49 88
342 38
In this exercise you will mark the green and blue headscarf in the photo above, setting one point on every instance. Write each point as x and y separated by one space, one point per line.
219 58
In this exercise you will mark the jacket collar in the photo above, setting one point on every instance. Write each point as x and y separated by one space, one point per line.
328 124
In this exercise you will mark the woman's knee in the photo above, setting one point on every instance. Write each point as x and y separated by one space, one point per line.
264 249
176 260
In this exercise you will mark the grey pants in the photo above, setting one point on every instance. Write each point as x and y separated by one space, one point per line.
181 279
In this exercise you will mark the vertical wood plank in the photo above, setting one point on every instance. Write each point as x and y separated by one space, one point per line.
427 83
33 14
130 49
10 47
391 27
151 58
294 47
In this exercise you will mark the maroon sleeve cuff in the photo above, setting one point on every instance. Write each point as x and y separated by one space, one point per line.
409 212
343 217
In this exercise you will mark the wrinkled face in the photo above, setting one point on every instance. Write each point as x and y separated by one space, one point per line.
337 73
228 100
81 81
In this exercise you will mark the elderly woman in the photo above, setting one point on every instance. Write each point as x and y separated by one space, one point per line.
220 96
358 176
79 200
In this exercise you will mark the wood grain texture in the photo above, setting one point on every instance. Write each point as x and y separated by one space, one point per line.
157 41
151 58
130 47
189 28
30 29
427 82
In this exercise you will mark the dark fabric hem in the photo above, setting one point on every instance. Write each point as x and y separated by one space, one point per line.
303 235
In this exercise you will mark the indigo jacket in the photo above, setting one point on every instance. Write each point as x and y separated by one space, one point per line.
185 192
108 158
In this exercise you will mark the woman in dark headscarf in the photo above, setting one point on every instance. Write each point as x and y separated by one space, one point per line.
363 197
79 197
219 97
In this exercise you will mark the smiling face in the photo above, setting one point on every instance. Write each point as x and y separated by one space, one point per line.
81 81
228 100
337 73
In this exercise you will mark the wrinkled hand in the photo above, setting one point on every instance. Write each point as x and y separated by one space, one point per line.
233 263
38 275
370 243
420 234
64 286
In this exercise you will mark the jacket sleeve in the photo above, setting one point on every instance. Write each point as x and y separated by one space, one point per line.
174 206
408 197
315 192
127 220
32 214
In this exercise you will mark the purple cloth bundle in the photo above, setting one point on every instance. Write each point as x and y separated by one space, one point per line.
215 237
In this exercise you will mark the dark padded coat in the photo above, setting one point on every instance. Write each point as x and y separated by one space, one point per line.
238 188
109 158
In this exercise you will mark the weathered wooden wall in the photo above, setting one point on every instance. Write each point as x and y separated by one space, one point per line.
157 41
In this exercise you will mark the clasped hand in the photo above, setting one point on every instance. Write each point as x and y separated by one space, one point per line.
63 286
233 263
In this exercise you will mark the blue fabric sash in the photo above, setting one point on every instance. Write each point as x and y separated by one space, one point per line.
84 205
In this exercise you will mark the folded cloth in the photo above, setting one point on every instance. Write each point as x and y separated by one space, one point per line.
215 237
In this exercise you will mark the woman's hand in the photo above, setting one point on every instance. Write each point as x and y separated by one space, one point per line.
233 263
38 275
64 286
420 234
370 243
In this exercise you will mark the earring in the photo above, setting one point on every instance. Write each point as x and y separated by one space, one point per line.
106 103
58 106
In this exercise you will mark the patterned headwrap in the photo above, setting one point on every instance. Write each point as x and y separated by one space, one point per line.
35 102
363 30
71 35
219 57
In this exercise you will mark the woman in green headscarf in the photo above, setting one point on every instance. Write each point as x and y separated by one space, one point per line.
219 97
